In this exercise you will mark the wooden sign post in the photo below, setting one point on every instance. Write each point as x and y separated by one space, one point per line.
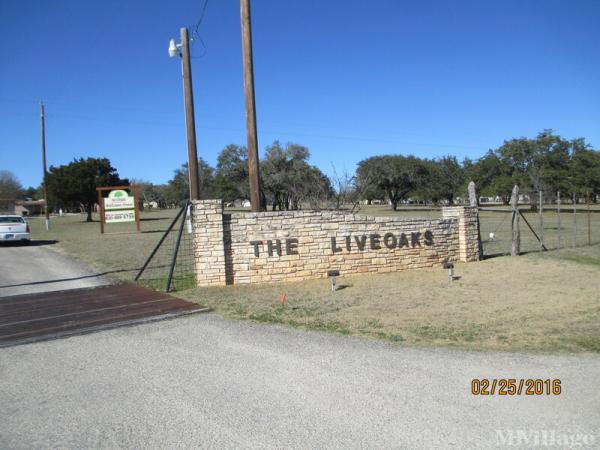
119 206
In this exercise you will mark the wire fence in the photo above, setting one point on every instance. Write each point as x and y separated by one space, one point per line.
551 227
169 266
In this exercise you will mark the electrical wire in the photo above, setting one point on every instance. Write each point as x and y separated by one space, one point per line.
195 32
197 26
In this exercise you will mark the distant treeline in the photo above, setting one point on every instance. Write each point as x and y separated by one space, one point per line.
547 163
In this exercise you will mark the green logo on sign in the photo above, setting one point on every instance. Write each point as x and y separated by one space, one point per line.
118 194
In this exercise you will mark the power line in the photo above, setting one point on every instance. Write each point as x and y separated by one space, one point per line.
197 26
281 132
331 133
195 36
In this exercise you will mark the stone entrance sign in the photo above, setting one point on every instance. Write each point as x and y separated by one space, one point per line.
296 245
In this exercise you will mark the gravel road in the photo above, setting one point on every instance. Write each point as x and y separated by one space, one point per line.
203 381
36 268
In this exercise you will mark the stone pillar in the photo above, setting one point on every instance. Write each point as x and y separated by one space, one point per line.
468 231
209 248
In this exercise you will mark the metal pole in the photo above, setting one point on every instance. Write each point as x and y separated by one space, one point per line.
589 218
541 211
558 219
574 220
253 168
189 115
45 182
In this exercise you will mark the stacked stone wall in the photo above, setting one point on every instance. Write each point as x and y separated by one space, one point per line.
297 245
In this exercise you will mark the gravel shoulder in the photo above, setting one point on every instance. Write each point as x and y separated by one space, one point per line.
205 381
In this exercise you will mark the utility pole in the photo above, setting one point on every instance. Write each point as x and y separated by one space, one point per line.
45 182
189 115
253 168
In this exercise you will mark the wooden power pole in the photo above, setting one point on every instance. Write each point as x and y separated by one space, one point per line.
189 115
45 180
253 167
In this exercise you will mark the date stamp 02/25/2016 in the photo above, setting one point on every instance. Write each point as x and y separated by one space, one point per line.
516 386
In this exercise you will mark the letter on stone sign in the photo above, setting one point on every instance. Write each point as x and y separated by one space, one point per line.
389 240
428 238
414 239
277 247
291 246
403 241
334 247
361 242
374 238
256 244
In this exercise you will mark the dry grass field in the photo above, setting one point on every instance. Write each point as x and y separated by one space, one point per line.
532 303
539 302
120 251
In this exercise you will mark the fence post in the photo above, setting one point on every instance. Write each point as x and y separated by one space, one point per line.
474 201
558 219
516 233
589 218
541 212
574 220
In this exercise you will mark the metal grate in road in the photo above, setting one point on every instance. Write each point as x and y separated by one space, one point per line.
49 315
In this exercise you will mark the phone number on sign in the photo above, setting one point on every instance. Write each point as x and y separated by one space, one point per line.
513 386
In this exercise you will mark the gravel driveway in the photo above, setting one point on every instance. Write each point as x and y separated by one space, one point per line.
205 382
36 268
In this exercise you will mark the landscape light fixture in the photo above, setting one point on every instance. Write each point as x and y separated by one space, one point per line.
450 268
332 274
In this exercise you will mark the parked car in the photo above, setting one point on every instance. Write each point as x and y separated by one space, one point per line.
14 228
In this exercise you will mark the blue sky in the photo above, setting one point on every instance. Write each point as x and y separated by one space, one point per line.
349 79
